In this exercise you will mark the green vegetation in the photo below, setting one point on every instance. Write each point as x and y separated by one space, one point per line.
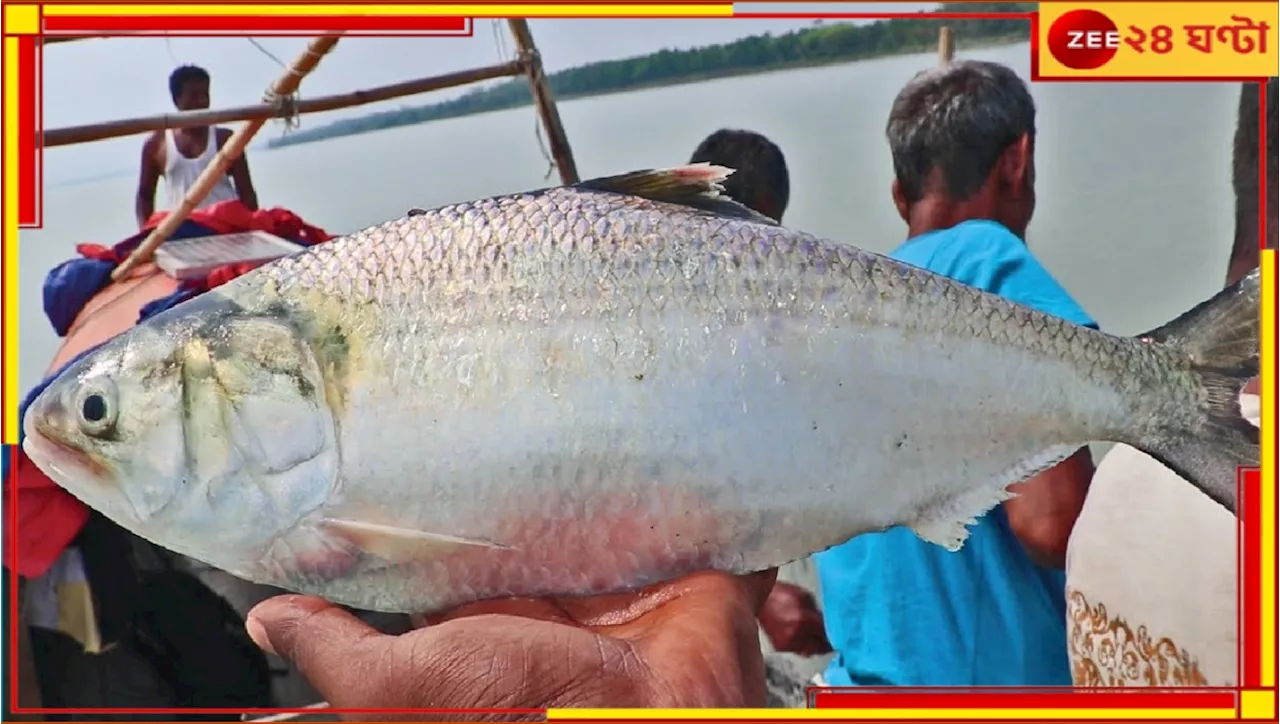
822 44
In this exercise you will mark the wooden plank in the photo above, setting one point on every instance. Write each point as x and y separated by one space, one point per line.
262 111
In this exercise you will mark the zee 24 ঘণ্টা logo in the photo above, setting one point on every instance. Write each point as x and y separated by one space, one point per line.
1087 39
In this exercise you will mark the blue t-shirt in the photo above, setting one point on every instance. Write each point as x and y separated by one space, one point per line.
903 612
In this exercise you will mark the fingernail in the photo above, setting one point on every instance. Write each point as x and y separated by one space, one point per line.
258 633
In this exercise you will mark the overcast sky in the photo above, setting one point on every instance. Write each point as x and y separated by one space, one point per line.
99 80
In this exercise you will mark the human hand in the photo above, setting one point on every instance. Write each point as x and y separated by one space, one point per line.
791 620
692 642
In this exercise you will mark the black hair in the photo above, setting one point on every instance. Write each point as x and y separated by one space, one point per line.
959 119
760 180
183 75
1244 173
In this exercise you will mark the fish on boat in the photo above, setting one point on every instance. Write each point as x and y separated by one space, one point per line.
592 388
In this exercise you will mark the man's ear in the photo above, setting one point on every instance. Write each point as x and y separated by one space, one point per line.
1015 163
899 200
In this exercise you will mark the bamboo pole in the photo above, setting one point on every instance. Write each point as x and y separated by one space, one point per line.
946 45
544 101
264 111
282 88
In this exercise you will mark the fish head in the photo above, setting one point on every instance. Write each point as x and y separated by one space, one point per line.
97 429
205 433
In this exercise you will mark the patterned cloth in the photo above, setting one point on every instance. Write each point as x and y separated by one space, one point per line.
1151 578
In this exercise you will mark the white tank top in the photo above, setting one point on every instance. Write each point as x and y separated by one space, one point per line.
180 173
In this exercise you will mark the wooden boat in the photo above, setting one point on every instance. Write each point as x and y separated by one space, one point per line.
113 310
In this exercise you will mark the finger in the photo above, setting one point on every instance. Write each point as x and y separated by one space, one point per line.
815 639
542 609
713 623
327 644
621 608
811 644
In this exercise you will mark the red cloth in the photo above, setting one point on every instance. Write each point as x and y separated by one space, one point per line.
226 217
229 217
48 517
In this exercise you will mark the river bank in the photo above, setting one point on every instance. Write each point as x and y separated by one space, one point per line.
284 141
814 47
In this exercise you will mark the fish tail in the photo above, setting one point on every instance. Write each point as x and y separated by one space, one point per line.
1221 338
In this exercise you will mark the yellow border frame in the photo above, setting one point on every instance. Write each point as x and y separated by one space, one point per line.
10 237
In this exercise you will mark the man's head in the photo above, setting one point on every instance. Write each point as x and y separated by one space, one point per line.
963 138
1245 179
189 86
760 180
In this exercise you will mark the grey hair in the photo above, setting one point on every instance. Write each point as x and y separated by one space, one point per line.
959 119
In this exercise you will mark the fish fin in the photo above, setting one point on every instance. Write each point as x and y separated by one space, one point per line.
399 545
1222 340
947 524
696 185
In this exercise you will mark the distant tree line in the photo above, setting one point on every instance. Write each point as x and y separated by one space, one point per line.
824 43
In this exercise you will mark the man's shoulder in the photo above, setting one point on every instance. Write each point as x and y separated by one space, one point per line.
986 255
153 149
964 249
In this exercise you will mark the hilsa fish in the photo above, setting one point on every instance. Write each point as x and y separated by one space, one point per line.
592 388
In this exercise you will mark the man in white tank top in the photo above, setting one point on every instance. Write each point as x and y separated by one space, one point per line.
181 155
1151 566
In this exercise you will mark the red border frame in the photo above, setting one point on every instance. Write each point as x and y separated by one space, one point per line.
31 167
258 25
30 155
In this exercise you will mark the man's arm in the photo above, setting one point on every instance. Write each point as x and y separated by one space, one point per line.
240 174
144 204
1046 507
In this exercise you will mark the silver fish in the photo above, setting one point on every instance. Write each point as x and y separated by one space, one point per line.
592 388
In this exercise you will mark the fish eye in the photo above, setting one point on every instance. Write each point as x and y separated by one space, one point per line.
97 409
94 408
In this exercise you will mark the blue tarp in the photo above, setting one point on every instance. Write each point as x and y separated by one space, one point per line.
71 284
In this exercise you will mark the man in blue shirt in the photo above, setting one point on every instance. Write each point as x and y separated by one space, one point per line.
898 610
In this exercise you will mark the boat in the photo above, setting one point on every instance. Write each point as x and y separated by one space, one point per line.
182 253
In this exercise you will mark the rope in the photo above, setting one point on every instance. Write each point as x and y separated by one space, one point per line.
528 57
286 107
265 52
500 42
542 146
168 46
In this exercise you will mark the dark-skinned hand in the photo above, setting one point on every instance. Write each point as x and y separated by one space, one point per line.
791 620
692 642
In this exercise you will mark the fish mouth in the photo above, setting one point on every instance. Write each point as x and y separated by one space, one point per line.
63 462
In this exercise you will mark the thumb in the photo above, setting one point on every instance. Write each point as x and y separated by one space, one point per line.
328 645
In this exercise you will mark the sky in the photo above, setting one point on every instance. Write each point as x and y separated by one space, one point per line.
98 80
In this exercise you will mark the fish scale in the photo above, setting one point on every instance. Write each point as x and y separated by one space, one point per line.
592 388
